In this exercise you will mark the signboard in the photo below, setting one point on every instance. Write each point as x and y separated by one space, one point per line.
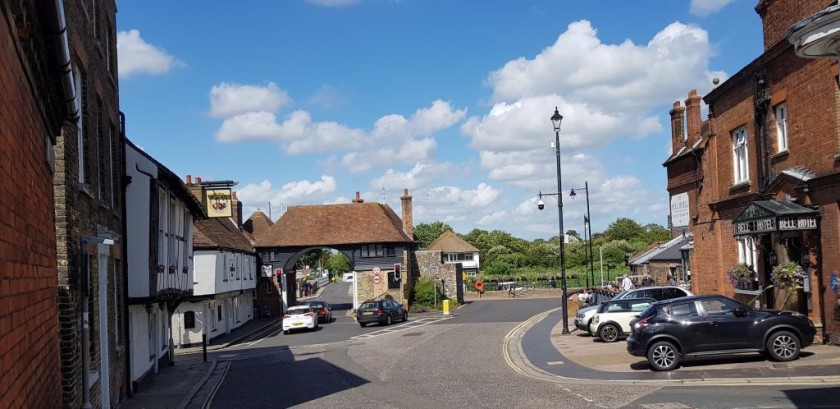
798 223
377 279
755 226
266 271
218 203
835 283
679 210
376 270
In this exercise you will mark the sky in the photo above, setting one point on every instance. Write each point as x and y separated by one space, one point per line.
306 102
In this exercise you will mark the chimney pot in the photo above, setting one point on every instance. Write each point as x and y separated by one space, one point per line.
189 179
198 180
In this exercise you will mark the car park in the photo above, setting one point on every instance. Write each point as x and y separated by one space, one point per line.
299 317
668 332
583 317
612 321
384 312
322 309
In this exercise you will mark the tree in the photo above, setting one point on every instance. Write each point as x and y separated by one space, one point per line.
655 232
625 229
338 262
427 233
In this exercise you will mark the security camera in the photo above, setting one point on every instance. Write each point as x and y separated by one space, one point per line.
540 204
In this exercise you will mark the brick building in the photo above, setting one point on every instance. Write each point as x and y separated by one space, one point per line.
31 117
89 210
757 183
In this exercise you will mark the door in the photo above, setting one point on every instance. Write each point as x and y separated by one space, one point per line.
726 331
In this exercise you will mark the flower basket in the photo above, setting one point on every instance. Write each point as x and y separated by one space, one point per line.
741 276
788 275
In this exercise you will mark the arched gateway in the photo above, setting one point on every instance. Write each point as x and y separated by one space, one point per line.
371 235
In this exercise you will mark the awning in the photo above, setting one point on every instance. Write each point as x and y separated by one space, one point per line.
768 216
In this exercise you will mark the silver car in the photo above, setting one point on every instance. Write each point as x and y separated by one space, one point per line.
584 316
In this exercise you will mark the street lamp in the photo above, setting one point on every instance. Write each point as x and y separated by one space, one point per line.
587 224
556 119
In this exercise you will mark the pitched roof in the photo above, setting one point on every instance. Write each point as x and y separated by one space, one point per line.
350 223
219 233
449 242
257 224
662 252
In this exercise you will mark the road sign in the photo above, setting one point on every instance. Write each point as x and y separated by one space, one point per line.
377 279
376 270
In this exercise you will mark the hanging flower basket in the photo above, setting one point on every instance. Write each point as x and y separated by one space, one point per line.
788 275
741 276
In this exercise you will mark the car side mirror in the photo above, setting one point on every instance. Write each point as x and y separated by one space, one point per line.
739 312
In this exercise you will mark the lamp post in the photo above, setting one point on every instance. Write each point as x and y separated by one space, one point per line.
556 119
587 220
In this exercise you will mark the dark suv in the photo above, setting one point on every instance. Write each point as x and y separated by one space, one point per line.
669 331
384 312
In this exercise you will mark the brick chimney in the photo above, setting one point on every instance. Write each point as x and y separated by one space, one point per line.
693 119
195 188
236 209
677 127
358 199
407 214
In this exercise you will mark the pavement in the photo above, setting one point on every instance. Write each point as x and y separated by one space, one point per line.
537 348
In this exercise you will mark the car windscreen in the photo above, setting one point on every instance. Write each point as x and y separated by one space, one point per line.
369 306
316 305
298 310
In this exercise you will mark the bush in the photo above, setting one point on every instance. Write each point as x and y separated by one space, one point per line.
424 292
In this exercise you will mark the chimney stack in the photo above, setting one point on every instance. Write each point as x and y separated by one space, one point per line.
236 209
189 180
196 189
677 127
693 118
358 199
407 214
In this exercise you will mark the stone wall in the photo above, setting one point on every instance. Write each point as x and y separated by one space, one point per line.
429 265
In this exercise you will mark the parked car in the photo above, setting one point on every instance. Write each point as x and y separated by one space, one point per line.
384 312
322 310
299 317
347 277
669 331
584 316
612 321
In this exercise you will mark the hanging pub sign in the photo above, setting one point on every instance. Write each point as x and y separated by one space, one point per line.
218 203
768 216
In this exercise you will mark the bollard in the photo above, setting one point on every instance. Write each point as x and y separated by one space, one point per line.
445 307
204 346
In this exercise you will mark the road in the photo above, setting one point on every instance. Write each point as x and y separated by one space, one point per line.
433 362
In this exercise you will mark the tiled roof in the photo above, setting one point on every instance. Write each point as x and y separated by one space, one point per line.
449 242
257 224
219 233
351 223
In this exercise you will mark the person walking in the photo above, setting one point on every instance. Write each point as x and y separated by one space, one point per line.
627 283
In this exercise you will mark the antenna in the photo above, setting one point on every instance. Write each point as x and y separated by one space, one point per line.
383 194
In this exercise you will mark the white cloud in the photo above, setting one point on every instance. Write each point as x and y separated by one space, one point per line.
393 139
704 8
482 196
136 56
327 97
493 218
227 100
333 3
292 193
421 175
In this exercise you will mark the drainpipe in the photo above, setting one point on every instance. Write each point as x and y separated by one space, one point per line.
125 307
68 84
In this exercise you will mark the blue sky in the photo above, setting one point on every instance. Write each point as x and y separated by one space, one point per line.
310 101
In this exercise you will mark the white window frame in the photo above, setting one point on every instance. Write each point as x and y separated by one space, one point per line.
781 112
740 156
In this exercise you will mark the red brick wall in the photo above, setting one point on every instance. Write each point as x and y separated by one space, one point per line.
29 358
778 15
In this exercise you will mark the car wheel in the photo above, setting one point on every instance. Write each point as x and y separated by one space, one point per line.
405 316
388 319
608 333
362 324
783 346
663 356
285 332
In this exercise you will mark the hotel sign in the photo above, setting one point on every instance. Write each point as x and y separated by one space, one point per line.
218 203
773 224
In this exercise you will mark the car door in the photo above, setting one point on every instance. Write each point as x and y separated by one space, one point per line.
687 325
726 331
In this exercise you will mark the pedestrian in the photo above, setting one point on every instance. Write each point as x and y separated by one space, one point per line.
647 281
626 283
671 280
553 283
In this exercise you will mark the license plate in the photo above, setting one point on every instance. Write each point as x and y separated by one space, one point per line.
297 324
367 313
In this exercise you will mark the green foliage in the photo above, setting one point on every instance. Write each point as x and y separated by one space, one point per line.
338 262
427 233
625 229
424 292
655 232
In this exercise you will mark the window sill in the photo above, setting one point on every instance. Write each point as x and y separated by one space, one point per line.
739 186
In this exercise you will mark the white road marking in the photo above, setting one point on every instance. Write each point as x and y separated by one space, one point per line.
417 323
555 363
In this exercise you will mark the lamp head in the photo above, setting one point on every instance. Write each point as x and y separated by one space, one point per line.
556 119
540 204
572 194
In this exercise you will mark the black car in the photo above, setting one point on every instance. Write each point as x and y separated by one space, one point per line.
669 331
384 312
322 309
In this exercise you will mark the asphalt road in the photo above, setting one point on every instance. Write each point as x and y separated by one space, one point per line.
431 362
